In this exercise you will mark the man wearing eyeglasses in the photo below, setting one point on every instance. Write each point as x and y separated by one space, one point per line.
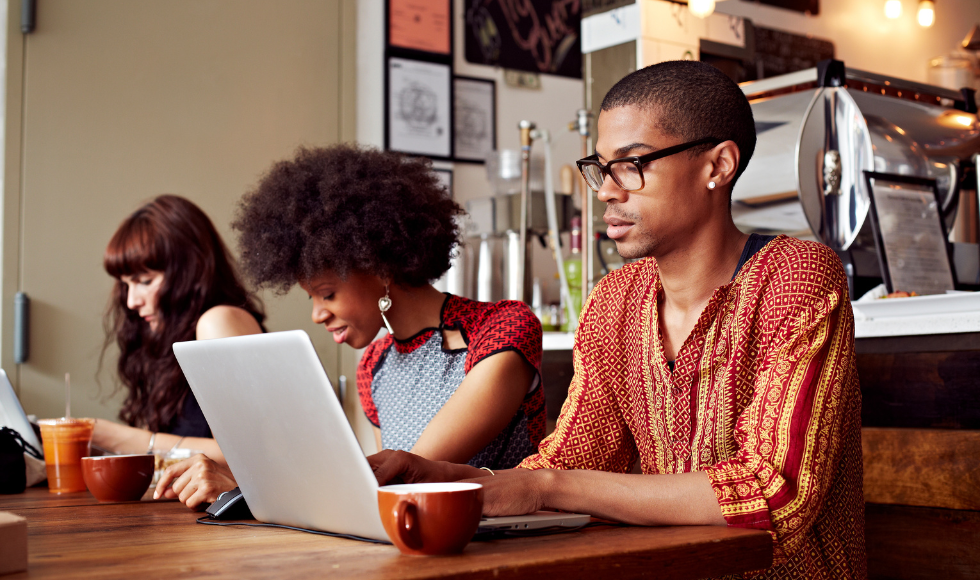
722 362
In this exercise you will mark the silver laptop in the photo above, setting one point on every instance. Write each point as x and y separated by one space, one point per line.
284 434
12 414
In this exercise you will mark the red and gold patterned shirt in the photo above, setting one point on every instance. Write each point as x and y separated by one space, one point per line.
764 398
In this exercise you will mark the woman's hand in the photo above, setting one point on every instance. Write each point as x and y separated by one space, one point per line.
194 481
510 492
402 467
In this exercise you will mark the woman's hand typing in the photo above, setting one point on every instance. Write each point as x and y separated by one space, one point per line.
194 481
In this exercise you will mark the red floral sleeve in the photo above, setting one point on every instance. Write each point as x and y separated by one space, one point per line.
792 435
370 360
506 325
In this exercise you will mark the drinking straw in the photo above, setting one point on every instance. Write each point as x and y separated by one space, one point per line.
67 395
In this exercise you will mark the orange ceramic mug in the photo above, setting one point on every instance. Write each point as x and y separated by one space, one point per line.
431 518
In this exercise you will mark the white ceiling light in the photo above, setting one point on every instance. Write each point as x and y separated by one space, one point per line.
701 8
893 9
927 13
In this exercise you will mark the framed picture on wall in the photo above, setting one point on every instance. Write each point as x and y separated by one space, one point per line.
537 36
475 118
445 177
420 26
418 108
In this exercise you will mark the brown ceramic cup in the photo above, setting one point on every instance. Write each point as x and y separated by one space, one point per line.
431 518
118 477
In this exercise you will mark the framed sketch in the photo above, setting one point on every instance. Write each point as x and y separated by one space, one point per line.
445 177
418 108
420 26
910 234
475 118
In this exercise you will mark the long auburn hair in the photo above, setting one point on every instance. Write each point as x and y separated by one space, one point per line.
170 235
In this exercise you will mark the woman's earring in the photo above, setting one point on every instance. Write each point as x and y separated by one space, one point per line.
384 304
711 185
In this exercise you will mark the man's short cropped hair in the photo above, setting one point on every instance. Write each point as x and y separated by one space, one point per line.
694 100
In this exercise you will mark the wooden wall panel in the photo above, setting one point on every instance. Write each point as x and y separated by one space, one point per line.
920 389
922 467
912 543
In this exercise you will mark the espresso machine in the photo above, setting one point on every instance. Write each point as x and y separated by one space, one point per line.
524 211
822 130
506 226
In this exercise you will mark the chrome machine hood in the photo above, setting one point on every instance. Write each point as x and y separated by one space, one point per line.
815 142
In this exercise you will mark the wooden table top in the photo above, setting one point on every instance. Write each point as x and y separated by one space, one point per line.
73 535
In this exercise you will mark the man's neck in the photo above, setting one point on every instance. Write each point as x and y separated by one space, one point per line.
694 268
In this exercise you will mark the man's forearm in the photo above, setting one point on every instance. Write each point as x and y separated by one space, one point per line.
678 499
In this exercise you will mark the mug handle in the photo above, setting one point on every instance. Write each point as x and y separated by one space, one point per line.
406 522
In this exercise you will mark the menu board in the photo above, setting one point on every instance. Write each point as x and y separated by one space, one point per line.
423 25
910 236
778 52
540 36
811 7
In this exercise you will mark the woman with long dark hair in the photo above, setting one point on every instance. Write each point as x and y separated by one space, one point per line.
175 281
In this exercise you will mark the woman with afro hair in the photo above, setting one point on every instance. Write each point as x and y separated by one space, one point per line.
365 233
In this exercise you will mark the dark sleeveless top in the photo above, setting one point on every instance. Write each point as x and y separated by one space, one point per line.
190 422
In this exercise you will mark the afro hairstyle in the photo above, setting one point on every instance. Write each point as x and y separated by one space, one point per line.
346 208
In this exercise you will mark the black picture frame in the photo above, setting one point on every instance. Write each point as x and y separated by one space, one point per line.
496 35
446 177
461 152
395 138
886 275
391 142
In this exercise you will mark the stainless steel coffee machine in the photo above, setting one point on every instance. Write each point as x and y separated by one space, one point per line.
503 261
821 130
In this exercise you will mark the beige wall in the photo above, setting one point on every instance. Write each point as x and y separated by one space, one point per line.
110 102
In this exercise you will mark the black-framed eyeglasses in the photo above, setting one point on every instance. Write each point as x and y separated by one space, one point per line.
627 172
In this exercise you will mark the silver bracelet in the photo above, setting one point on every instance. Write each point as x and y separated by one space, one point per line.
149 448
488 469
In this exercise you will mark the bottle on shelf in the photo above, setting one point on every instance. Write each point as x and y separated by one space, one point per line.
573 274
536 305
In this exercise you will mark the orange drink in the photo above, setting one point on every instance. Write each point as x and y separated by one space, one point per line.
66 441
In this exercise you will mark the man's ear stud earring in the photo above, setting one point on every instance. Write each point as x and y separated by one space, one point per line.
711 185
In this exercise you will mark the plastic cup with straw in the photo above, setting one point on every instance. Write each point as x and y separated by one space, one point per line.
66 441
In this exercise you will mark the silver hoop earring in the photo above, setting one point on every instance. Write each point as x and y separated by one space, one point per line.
711 185
384 304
